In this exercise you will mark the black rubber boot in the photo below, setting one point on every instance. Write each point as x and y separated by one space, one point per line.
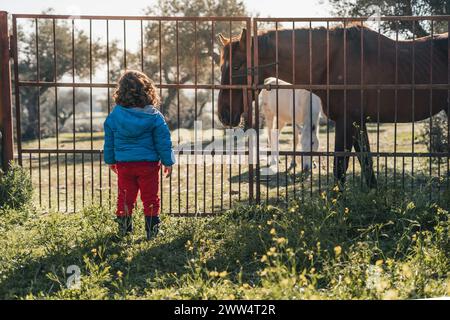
152 226
125 225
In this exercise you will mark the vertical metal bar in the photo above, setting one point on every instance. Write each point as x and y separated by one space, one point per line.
100 177
386 170
254 80
74 122
83 180
109 106
213 31
49 181
403 173
277 107
31 166
295 133
345 95
19 135
55 75
448 105
178 113
378 99
431 104
142 46
395 104
66 183
250 116
125 44
286 181
328 103
310 108
231 108
160 94
363 127
6 126
196 112
16 90
91 121
413 93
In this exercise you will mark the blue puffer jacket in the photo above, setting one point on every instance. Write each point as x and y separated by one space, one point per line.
137 134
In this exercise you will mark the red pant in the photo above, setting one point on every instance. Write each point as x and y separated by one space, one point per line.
134 177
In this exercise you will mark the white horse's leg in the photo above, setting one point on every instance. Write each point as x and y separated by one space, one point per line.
296 132
275 140
307 138
316 124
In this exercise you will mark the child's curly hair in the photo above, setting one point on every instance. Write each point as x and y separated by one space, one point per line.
136 89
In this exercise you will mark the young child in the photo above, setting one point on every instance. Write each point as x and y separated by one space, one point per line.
137 139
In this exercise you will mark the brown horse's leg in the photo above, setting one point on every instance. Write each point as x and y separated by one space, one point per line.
361 144
342 142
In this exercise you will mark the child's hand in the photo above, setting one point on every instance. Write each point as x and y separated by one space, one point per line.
113 168
167 171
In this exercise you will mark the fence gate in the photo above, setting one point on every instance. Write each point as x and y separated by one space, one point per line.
65 70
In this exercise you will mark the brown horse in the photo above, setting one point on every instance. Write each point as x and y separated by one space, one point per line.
346 56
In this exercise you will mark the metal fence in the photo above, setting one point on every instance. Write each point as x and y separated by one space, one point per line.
60 139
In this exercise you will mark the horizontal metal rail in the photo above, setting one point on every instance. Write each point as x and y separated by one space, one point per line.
224 152
259 87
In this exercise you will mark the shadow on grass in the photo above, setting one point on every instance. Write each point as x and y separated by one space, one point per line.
31 277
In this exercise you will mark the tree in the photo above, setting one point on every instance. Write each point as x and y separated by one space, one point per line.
357 8
189 46
44 53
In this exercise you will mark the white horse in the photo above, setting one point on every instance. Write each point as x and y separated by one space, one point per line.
308 106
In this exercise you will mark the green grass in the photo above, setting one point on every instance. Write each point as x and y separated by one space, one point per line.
350 245
69 182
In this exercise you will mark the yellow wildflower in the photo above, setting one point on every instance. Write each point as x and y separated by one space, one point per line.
406 271
337 251
390 294
285 282
214 274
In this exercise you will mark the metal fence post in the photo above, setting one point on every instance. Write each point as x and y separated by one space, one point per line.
7 140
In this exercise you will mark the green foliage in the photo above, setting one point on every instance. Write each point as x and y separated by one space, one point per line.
53 36
435 136
351 245
16 190
397 8
201 44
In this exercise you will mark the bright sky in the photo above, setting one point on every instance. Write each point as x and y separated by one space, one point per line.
266 8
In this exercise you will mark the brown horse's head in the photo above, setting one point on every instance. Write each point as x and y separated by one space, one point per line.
233 64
